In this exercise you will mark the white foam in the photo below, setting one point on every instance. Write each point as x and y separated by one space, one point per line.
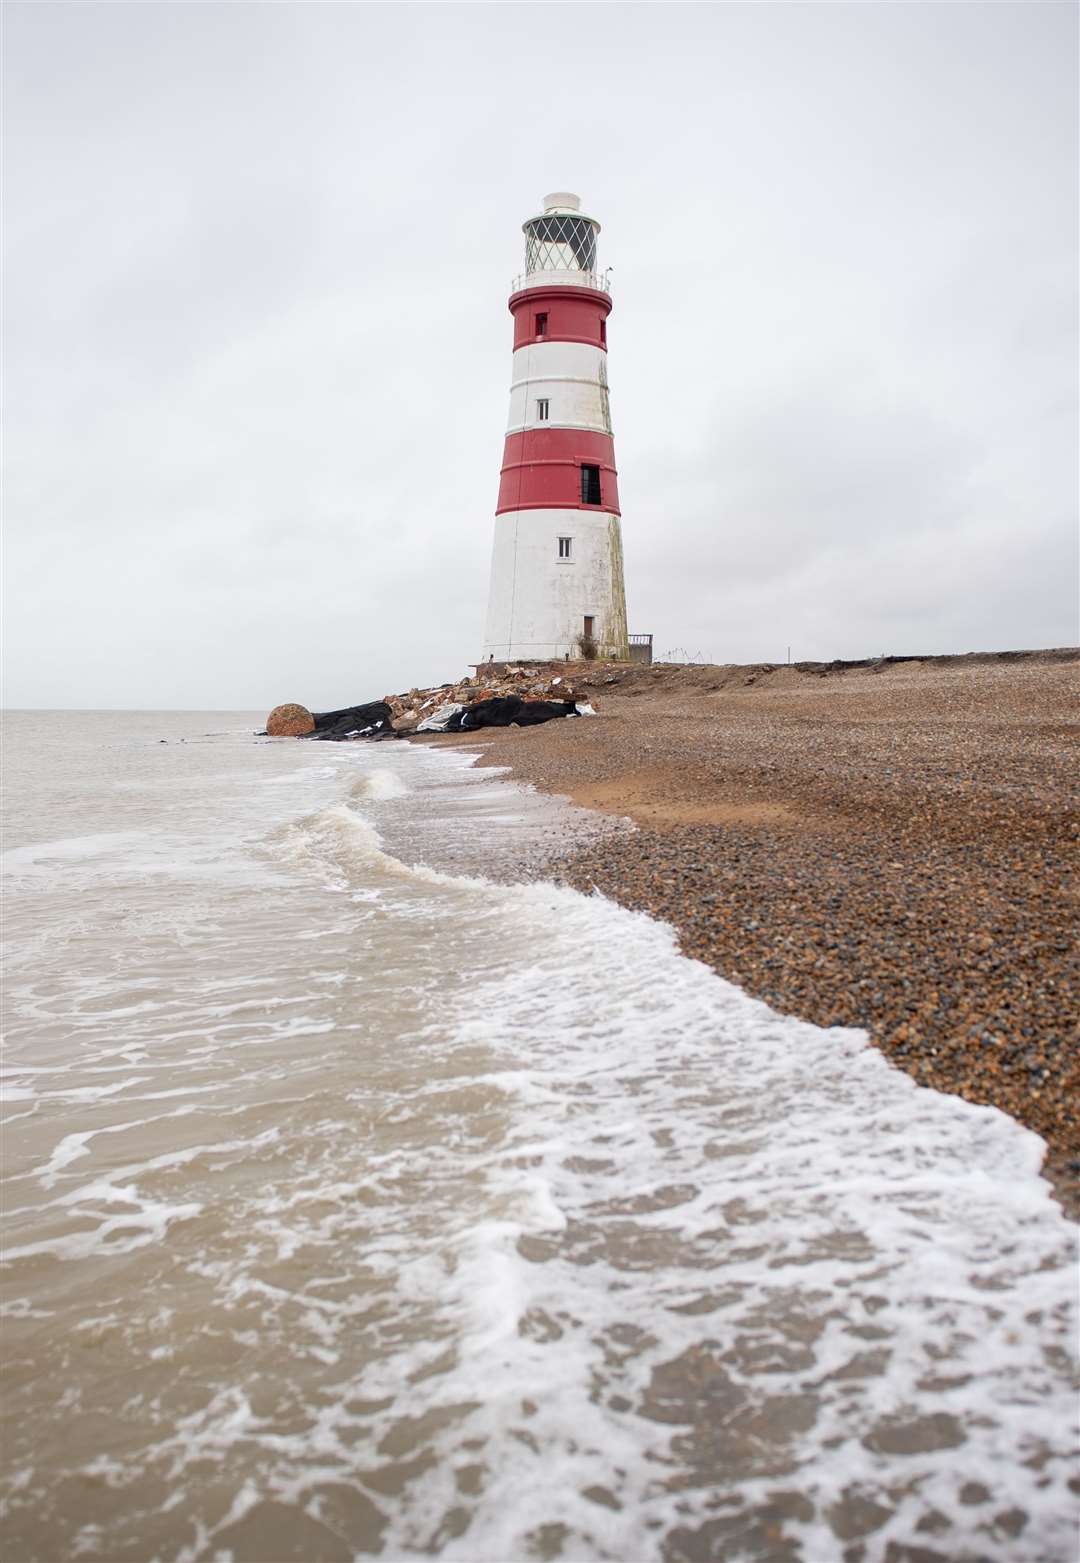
714 1133
41 862
525 1218
74 1146
71 849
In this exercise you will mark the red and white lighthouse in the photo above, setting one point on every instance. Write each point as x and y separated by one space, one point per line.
556 564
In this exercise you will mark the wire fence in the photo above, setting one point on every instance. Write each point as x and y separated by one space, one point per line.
680 655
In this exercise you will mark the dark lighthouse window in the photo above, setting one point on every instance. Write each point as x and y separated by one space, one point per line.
541 325
590 485
603 333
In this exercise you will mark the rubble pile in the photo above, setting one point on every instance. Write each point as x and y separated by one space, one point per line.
527 683
503 696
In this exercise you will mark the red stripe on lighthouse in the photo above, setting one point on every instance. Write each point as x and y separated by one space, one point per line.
560 314
541 470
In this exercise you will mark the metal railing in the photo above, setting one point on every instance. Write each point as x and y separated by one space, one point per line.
598 280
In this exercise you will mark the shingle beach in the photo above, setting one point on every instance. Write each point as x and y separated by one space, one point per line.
891 846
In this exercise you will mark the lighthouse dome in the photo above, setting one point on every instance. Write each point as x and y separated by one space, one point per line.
562 201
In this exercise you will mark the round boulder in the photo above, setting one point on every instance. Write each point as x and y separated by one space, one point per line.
290 721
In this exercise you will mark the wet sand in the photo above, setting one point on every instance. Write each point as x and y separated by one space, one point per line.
889 846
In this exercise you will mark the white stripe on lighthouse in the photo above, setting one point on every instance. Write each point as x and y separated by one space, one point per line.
571 377
538 600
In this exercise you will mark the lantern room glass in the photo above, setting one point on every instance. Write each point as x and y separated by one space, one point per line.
560 242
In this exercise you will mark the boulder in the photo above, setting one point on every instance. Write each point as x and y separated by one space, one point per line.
290 721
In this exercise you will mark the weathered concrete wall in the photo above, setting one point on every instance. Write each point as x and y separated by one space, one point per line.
572 376
538 602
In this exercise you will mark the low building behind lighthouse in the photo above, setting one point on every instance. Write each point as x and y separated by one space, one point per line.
556 563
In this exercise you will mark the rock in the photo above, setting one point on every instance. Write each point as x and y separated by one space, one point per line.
290 721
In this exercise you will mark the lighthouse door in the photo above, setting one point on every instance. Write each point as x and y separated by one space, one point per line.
589 622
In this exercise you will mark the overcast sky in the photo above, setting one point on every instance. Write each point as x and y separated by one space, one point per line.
257 349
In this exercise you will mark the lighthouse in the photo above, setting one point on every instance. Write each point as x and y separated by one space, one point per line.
556 562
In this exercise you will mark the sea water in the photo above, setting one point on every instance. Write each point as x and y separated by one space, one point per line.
359 1205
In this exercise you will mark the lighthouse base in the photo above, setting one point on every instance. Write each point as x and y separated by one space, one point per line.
556 586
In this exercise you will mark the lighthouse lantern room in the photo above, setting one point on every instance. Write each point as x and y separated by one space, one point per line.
556 564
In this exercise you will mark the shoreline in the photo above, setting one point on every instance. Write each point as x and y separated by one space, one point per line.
889 847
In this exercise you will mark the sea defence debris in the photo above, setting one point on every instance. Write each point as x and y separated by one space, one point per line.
540 692
289 721
374 719
516 697
502 711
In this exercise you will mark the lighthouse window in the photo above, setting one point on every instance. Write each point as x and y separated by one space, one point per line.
590 485
564 547
542 410
603 333
541 325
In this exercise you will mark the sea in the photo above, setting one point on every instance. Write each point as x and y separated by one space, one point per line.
363 1202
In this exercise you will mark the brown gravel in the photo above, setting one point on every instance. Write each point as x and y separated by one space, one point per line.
890 846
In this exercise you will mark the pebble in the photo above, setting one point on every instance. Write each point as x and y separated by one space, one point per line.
919 882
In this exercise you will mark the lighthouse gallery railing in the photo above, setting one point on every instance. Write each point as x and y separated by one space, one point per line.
599 280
